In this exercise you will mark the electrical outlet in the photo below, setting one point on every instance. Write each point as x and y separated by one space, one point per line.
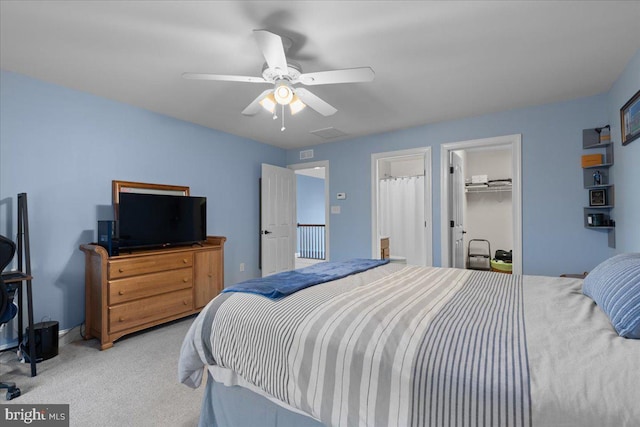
242 266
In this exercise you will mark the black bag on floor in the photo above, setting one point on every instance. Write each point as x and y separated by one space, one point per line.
503 255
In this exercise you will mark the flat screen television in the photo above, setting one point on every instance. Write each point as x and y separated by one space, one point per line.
153 220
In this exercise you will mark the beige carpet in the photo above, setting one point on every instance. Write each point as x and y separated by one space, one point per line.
134 383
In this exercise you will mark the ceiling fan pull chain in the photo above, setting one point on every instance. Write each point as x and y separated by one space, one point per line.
283 128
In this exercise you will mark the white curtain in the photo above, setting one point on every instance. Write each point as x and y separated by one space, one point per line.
401 217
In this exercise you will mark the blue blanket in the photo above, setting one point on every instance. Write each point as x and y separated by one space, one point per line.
282 284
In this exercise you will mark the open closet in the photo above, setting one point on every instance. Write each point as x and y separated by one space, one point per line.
487 207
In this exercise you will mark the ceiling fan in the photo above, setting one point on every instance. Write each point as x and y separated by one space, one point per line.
284 74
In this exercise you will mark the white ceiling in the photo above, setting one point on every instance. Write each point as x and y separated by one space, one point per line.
434 61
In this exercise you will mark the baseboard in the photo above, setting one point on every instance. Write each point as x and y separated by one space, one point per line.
67 336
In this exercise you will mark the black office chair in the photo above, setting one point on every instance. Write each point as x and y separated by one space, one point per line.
7 309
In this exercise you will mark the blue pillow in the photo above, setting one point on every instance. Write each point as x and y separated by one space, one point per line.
615 286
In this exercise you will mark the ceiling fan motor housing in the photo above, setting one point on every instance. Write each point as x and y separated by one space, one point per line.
272 75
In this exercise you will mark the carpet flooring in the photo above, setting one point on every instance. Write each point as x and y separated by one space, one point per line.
134 383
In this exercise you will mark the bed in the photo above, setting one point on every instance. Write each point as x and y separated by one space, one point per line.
398 345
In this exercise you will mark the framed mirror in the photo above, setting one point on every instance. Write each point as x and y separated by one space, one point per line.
142 187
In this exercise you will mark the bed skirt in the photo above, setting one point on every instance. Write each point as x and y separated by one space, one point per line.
236 406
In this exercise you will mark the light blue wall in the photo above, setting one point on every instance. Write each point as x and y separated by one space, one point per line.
63 148
626 169
310 199
554 238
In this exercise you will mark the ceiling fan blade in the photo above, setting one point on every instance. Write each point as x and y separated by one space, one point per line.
350 75
273 50
314 102
253 108
222 77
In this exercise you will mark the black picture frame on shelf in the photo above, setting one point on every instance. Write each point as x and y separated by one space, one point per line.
597 197
630 119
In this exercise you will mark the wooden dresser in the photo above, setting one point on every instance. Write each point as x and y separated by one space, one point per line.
134 291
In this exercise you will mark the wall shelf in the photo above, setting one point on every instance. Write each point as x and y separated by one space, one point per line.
596 144
599 207
595 187
487 189
597 178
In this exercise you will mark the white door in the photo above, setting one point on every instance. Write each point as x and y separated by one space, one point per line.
456 209
277 219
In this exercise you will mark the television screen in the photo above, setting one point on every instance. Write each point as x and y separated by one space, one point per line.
147 220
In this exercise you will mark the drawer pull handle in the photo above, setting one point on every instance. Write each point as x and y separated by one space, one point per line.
210 275
120 292
121 319
185 280
121 270
184 302
184 260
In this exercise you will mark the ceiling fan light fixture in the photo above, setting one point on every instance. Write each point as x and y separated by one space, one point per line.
283 93
296 105
269 103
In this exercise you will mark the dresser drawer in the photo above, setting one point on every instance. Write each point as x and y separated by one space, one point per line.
130 288
135 313
148 264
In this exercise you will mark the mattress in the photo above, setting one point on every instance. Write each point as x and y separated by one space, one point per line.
418 346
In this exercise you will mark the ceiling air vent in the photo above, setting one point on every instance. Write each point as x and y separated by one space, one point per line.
306 154
328 133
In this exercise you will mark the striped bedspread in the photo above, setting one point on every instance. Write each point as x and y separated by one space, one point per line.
393 346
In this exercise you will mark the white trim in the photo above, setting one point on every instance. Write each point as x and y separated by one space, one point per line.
515 141
428 198
327 199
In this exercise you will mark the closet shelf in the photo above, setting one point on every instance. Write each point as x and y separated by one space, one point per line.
488 189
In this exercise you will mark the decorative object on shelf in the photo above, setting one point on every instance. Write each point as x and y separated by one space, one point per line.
590 160
597 198
595 220
604 134
630 119
597 178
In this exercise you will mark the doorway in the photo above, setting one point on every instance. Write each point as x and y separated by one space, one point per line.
401 206
481 199
312 213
